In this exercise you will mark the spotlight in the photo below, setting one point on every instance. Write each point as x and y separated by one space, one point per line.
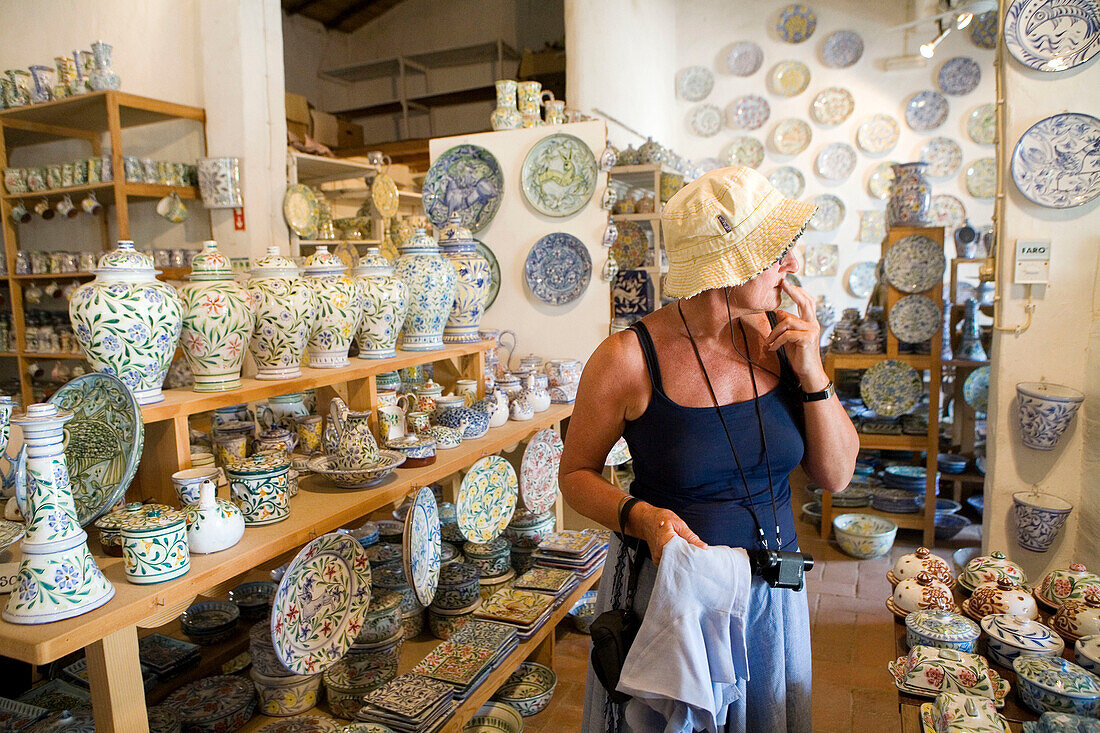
963 20
928 50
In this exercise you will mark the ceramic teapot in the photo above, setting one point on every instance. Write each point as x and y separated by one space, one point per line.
520 408
355 446
213 524
538 396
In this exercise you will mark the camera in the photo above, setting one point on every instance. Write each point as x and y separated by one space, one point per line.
780 569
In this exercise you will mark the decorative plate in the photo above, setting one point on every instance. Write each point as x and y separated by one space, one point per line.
558 268
486 499
1052 35
842 49
821 260
981 178
210 700
878 134
538 472
926 110
829 214
10 533
466 179
915 319
318 610
832 106
836 161
891 388
862 278
796 23
705 120
1056 163
559 175
872 226
301 210
789 78
554 580
384 195
494 272
409 696
744 58
420 546
310 724
791 136
881 181
947 211
103 441
981 125
749 112
517 606
976 389
943 156
914 264
631 245
788 181
746 151
694 83
959 76
632 293
983 30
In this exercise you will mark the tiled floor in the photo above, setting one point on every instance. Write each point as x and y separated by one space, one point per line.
852 638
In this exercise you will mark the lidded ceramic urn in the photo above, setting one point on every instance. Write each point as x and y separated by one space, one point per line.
431 283
127 322
472 282
385 303
285 307
218 321
339 309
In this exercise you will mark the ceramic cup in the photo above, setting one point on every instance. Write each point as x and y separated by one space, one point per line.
15 180
42 208
172 208
467 388
1038 517
555 111
91 205
419 421
19 213
66 207
308 429
230 448
53 176
391 422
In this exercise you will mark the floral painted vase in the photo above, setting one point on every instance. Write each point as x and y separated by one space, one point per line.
218 321
339 309
970 345
356 447
154 546
213 524
431 283
103 77
127 322
910 197
472 282
385 303
285 307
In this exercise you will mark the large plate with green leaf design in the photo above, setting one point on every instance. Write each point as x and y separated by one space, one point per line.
103 441
559 175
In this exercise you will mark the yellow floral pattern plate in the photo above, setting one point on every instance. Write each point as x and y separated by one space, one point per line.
486 499
789 78
384 195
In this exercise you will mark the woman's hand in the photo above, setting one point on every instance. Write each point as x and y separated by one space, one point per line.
801 335
657 526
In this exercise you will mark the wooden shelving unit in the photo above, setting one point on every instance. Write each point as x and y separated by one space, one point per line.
648 177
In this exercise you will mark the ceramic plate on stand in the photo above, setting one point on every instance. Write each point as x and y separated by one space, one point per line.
744 58
705 120
558 269
832 106
976 389
943 156
791 136
914 264
926 110
1056 162
789 78
836 161
559 175
878 134
796 23
486 499
981 178
842 49
466 179
915 318
420 544
788 180
301 210
959 76
746 151
494 272
881 180
538 473
1048 36
981 125
829 214
862 279
694 83
891 388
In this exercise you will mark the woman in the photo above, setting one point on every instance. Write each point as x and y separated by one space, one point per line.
711 474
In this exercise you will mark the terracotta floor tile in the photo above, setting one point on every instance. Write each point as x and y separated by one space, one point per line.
832 708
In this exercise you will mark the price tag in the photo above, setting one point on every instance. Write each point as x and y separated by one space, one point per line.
1032 262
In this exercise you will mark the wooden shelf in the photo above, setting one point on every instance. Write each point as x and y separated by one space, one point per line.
51 276
866 361
317 242
54 193
893 442
105 192
912 520
313 170
51 355
965 363
421 62
653 218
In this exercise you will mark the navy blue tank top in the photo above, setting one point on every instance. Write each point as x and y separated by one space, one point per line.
682 460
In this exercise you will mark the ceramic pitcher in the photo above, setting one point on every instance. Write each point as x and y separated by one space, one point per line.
356 447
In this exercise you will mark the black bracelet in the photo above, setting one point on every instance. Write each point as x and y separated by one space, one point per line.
624 513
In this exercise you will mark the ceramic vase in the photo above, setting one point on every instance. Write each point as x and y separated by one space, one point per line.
431 283
154 546
970 344
1038 517
218 321
339 309
910 196
58 578
385 303
506 116
472 281
213 524
103 76
127 322
356 447
1046 410
285 307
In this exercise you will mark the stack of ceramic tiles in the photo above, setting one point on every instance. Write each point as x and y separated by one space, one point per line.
410 703
460 665
553 581
524 609
581 551
167 656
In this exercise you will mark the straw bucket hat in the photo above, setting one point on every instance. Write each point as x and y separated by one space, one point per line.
725 228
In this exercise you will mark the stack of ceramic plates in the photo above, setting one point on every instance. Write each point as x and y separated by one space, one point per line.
367 534
411 703
951 463
943 506
899 501
167 656
210 622
845 336
581 551
554 581
910 478
524 609
383 554
462 666
872 338
880 426
852 496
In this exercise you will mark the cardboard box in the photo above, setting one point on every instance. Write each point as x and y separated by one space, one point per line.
349 134
325 128
297 109
298 128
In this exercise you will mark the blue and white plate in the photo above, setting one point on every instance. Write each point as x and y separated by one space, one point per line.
959 75
466 179
842 49
1053 35
796 23
694 83
915 264
983 30
559 175
976 389
632 293
836 161
494 272
829 214
705 120
744 58
558 268
748 113
788 180
915 318
891 388
1056 163
862 279
926 110
420 545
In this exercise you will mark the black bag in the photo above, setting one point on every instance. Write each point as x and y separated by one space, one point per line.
613 631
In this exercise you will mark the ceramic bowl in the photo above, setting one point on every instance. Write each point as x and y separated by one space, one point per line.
457 587
811 510
1007 637
1072 583
383 618
922 593
1078 618
254 598
284 696
1004 596
529 689
942 630
413 624
949 525
927 671
921 561
391 531
1061 723
864 536
1087 652
210 622
495 716
367 534
989 569
1052 683
383 554
361 478
583 612
952 712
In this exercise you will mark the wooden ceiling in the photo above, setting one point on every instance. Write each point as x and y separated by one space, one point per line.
339 15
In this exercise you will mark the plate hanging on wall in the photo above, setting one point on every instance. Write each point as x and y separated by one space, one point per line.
842 49
385 196
832 106
788 180
943 156
959 76
1056 163
631 246
705 120
878 134
926 110
881 180
983 30
466 179
829 213
862 278
796 23
789 78
981 178
558 269
744 58
836 161
1057 38
746 151
947 211
791 136
694 83
559 175
494 272
981 125
632 293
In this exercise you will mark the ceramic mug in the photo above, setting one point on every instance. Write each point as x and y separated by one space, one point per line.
66 208
19 213
391 422
171 208
188 481
91 205
419 421
529 97
15 180
68 175
53 176
555 111
467 388
42 208
230 448
390 397
308 429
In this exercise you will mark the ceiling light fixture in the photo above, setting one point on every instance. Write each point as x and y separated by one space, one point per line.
928 50
963 20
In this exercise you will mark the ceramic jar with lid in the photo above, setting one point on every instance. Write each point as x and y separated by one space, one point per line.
1078 618
382 620
339 309
1003 596
1055 684
213 524
491 558
110 525
285 307
1087 653
1008 636
990 568
457 587
287 695
218 320
921 561
127 322
419 450
472 282
385 303
259 486
941 629
920 593
431 282
154 546
528 530
1072 583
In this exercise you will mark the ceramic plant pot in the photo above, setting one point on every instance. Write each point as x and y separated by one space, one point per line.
285 307
218 321
431 283
1039 518
259 486
1046 410
127 322
385 303
910 197
339 309
472 282
214 524
154 546
286 696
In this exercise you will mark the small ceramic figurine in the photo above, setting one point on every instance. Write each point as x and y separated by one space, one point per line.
521 409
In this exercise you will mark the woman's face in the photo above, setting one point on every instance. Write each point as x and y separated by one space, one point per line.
763 292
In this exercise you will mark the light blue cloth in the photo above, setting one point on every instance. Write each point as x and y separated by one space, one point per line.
684 666
777 697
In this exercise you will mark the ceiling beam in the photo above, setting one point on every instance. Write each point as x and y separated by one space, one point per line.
363 13
294 8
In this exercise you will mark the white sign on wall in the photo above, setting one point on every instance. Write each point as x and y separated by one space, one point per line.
1032 261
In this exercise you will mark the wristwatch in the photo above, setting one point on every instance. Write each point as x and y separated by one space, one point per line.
822 395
